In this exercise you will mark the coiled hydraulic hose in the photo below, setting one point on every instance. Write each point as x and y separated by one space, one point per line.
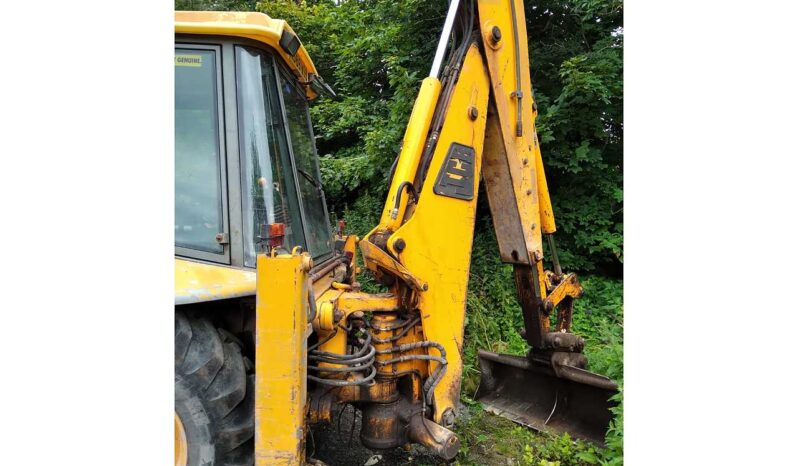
359 361
437 374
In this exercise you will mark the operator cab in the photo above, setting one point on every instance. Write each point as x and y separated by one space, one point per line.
245 155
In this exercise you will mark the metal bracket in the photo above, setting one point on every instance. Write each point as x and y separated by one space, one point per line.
569 286
373 256
222 238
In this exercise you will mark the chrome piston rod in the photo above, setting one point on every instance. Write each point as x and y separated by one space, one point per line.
447 31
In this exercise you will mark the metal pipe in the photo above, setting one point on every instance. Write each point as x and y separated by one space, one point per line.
554 259
317 274
434 436
447 30
519 128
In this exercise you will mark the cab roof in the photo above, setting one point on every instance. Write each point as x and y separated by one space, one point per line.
276 33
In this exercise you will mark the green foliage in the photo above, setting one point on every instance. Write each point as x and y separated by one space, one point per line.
576 50
375 53
489 439
215 5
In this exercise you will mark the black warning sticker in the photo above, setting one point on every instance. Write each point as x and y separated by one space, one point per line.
456 176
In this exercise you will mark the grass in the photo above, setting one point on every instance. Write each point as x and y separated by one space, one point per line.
492 440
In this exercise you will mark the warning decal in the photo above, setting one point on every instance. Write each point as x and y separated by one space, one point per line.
188 60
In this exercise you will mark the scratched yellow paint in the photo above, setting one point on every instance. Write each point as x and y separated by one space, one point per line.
281 359
198 282
523 153
440 232
412 147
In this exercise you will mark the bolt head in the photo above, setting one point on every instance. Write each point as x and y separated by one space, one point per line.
496 34
338 315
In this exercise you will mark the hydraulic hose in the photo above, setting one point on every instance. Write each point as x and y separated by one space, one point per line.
410 189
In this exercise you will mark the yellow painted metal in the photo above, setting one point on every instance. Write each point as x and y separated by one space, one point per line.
282 330
199 282
349 303
547 224
375 259
325 315
412 147
181 444
255 26
522 152
439 234
569 286
337 344
321 286
381 321
358 301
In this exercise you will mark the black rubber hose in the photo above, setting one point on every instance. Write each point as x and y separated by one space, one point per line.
347 362
406 329
345 383
350 357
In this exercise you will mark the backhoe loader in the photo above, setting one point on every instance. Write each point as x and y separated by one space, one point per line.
273 332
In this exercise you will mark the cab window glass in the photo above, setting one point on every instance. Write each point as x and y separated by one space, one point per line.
268 186
198 188
319 237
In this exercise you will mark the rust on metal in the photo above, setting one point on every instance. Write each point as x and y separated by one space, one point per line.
328 267
535 321
434 436
529 391
376 258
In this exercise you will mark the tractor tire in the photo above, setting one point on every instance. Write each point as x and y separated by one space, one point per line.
214 395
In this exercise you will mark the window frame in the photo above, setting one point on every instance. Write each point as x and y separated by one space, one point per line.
183 251
232 205
271 56
284 73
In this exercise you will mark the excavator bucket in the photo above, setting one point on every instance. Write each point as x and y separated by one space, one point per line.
529 392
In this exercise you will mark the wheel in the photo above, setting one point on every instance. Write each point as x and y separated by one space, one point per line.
214 397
